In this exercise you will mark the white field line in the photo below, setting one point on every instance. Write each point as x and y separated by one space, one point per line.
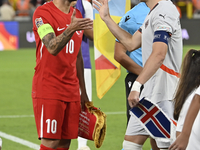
27 116
20 141
17 116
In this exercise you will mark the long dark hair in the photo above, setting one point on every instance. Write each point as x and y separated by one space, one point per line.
189 80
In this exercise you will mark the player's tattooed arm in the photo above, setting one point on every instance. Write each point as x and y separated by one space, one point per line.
56 44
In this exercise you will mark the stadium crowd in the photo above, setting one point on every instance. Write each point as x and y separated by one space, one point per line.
19 10
23 9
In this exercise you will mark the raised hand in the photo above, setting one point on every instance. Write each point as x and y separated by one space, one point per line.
80 23
102 7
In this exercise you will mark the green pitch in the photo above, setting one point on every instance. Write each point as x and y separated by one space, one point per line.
16 113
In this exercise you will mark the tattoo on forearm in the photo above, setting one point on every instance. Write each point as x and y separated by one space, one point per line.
56 43
46 40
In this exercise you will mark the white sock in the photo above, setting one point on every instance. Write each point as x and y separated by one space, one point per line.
82 142
131 146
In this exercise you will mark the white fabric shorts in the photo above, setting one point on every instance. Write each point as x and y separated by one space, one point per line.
135 128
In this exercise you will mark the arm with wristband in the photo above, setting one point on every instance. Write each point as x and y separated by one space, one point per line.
159 50
151 66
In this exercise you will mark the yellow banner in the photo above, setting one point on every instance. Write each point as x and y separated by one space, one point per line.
107 69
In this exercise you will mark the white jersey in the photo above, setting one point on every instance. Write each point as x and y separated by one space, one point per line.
88 9
163 17
184 111
194 140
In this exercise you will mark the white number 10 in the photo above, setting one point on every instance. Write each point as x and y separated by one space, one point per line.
70 47
51 125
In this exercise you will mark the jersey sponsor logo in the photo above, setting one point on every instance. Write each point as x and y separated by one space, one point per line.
127 18
38 22
78 32
162 15
60 29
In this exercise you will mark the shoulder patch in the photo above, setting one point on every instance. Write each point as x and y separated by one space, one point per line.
38 22
164 28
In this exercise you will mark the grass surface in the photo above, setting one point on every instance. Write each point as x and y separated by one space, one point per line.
16 72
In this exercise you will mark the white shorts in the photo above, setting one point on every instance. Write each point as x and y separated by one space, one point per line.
135 128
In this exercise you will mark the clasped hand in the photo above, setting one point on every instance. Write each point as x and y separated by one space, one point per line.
133 98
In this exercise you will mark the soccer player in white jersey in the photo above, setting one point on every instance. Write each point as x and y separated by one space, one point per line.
161 40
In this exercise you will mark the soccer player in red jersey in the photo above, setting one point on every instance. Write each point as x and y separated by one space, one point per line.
59 76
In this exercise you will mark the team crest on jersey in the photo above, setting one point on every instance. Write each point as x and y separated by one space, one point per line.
146 24
38 22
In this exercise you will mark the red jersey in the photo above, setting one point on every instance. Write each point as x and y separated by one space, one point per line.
56 76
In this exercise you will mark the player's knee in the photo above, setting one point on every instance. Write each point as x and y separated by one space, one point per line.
130 146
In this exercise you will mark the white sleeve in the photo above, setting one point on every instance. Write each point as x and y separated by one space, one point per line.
162 22
198 91
184 111
88 9
181 119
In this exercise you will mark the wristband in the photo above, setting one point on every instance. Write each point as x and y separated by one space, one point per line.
136 86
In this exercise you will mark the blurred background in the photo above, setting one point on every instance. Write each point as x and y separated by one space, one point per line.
16 22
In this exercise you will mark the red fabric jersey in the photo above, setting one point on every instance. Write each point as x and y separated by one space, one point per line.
56 76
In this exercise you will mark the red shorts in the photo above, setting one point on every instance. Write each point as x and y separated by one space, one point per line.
56 119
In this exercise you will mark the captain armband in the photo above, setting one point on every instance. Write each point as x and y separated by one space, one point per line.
136 86
44 30
161 36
